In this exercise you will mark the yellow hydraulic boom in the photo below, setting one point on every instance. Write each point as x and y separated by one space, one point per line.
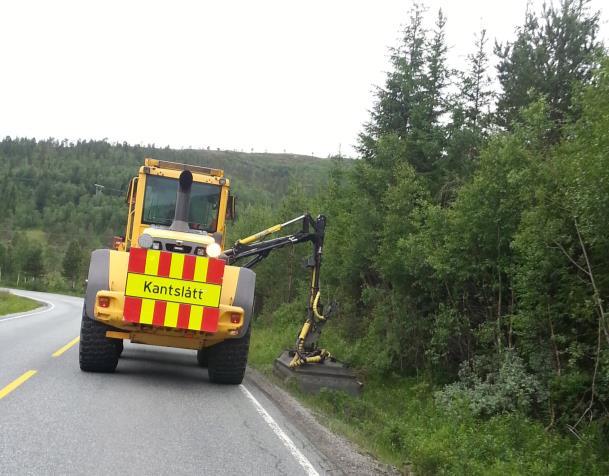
313 230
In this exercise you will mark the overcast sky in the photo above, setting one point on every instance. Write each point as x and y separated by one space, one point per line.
262 75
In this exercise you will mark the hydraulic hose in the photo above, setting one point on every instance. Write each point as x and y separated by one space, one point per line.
315 310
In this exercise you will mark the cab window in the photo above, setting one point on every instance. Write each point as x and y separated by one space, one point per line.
160 203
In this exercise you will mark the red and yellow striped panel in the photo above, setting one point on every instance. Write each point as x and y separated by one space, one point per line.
176 265
183 269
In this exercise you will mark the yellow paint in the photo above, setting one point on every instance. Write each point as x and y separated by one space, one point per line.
201 269
176 267
164 165
117 335
229 284
305 331
173 290
171 314
152 262
119 262
260 235
15 383
196 317
180 342
60 351
147 311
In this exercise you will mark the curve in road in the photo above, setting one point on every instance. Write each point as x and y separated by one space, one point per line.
158 414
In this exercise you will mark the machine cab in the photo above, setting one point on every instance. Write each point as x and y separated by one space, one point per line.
178 208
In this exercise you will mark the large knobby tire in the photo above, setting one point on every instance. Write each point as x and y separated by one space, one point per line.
227 360
203 357
97 353
119 346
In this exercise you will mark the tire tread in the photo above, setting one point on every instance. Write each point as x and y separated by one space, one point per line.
228 359
96 352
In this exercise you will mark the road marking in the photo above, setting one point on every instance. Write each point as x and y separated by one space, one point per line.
58 352
50 307
15 383
285 439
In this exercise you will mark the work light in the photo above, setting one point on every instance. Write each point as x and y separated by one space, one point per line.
145 241
213 250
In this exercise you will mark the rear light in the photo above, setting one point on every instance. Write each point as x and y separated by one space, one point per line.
200 251
103 301
235 318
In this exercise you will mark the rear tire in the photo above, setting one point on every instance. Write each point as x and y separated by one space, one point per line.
119 347
203 357
228 359
96 353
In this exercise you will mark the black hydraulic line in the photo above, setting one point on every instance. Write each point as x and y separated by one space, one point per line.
261 249
256 260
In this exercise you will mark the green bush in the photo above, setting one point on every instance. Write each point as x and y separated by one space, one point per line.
510 388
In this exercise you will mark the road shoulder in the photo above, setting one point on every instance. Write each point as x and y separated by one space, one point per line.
26 305
342 454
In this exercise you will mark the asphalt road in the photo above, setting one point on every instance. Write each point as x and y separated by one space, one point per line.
158 414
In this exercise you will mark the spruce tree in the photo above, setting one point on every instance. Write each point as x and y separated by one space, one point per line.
403 90
550 56
475 86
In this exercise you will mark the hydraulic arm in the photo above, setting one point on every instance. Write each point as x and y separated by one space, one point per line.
257 248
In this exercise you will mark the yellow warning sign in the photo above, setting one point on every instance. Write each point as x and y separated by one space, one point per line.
172 290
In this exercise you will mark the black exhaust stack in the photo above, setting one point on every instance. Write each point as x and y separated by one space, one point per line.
180 219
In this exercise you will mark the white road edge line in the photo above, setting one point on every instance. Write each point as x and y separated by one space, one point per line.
50 307
285 439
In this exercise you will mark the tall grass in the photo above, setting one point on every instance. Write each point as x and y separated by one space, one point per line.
9 303
398 420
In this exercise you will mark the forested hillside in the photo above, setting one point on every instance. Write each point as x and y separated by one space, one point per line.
469 248
54 214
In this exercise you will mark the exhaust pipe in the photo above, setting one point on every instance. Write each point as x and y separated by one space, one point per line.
180 218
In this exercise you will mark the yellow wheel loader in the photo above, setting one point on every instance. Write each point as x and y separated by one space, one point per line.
170 282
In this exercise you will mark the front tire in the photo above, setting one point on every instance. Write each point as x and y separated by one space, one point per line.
228 359
96 353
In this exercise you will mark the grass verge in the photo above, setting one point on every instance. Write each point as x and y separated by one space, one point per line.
397 420
9 303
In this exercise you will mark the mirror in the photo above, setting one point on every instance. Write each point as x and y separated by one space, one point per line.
231 208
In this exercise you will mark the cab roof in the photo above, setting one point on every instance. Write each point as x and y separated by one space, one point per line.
162 164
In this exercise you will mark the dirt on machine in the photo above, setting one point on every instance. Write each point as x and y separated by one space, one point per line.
170 281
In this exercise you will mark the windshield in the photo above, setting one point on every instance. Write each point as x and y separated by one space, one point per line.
160 203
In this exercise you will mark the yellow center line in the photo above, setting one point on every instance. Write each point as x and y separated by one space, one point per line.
58 352
15 383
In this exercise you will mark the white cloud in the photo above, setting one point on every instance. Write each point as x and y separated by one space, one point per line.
268 75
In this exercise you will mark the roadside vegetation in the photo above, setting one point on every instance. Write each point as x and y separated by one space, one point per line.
405 421
469 252
9 303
